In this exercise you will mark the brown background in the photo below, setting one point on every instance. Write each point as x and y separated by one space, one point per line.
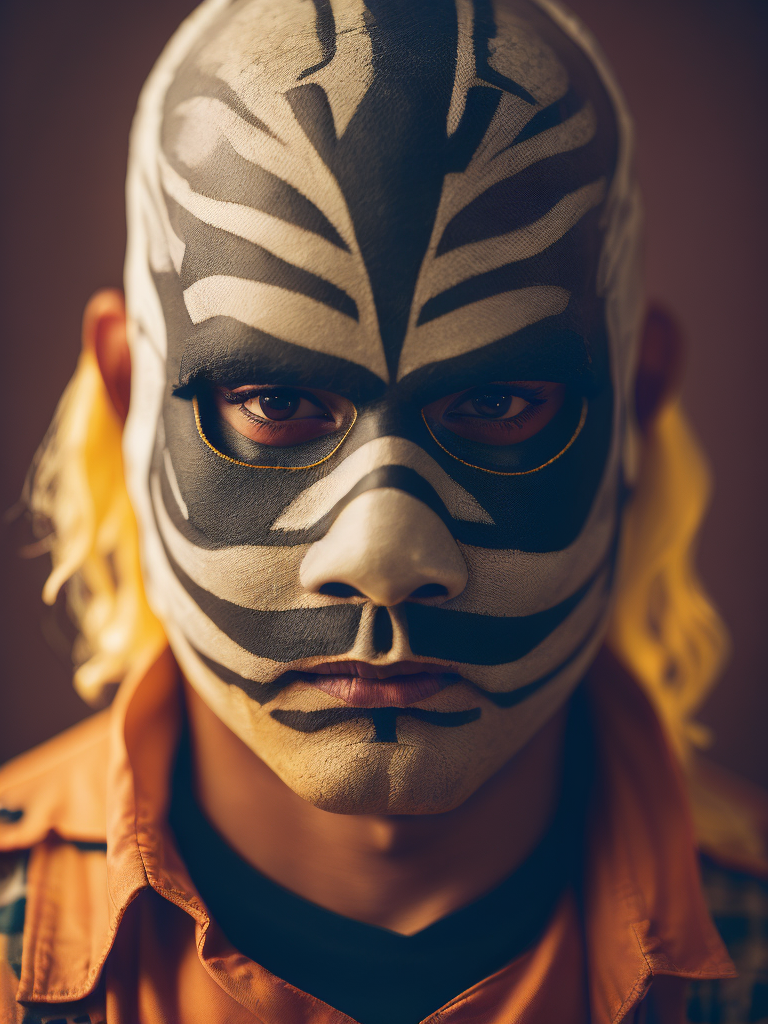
693 71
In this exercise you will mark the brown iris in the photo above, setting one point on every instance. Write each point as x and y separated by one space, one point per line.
282 416
280 404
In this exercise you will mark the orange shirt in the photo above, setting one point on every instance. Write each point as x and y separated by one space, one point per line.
122 936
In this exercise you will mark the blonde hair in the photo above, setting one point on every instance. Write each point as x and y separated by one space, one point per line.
80 508
664 627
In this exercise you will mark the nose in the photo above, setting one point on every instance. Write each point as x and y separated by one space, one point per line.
388 546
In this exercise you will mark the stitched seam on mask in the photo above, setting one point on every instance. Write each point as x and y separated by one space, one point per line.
250 465
524 472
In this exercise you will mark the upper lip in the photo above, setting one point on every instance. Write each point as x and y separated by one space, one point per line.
399 684
364 670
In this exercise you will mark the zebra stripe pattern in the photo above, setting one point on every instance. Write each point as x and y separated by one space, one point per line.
391 205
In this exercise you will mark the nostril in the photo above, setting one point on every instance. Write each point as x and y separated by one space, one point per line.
339 590
430 590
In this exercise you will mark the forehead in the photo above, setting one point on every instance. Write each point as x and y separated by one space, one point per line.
384 188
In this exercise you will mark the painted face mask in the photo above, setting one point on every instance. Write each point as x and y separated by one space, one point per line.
382 290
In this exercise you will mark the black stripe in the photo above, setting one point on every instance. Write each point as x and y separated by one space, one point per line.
479 107
211 251
279 635
262 693
512 698
389 160
325 26
224 350
471 639
564 263
384 720
550 116
230 178
484 31
521 199
383 634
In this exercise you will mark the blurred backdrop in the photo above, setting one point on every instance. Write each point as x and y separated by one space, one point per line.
694 72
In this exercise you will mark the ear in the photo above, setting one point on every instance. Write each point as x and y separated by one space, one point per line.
660 366
105 334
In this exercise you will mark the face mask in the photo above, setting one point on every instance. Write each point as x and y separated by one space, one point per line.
380 281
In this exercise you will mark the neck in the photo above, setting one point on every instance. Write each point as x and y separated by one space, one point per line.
401 872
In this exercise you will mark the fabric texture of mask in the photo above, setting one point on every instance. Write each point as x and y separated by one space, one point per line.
392 202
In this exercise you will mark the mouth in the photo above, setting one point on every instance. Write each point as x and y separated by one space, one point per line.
380 686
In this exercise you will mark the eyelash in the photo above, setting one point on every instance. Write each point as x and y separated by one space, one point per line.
245 396
242 396
530 395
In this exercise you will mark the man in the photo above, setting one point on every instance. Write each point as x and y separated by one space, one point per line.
384 412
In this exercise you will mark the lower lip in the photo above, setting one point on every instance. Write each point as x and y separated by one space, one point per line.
395 691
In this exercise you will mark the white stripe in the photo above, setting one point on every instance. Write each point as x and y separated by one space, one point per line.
291 156
317 500
589 614
286 315
508 582
465 65
479 324
348 77
252 576
178 609
293 244
488 168
174 483
479 257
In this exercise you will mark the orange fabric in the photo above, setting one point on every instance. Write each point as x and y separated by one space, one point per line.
133 919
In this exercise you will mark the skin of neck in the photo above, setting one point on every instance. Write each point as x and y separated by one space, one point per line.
401 872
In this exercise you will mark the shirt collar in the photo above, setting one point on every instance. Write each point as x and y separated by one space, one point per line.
643 908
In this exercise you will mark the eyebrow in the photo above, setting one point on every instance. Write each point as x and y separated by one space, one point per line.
223 350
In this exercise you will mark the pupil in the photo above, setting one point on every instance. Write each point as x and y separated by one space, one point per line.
492 404
279 405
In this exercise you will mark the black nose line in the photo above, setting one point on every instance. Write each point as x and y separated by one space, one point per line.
401 478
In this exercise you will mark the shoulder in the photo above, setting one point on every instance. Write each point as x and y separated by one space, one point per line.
57 788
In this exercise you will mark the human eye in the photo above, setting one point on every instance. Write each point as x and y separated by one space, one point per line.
281 416
498 413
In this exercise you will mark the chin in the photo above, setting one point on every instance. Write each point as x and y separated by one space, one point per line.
341 772
384 778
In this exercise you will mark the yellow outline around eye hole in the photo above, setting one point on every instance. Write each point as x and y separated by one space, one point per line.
250 465
523 472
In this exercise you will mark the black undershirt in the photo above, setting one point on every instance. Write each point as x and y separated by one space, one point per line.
374 975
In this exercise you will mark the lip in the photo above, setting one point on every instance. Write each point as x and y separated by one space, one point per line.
380 686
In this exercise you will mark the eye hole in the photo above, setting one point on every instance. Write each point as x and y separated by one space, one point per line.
500 413
281 416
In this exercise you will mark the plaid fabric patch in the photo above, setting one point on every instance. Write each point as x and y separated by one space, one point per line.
13 898
13 901
739 906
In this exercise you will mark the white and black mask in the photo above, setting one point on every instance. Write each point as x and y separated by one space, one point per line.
381 282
